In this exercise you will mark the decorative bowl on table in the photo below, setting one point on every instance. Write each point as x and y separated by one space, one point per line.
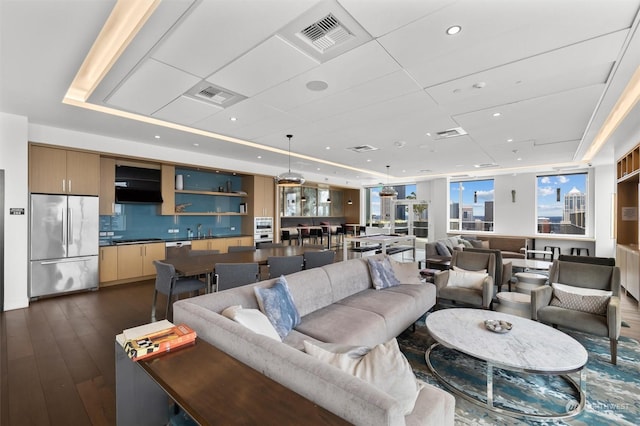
498 326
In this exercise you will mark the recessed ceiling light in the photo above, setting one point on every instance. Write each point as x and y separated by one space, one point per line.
317 85
519 158
327 147
233 118
259 156
509 140
318 168
157 136
497 114
196 144
455 29
368 160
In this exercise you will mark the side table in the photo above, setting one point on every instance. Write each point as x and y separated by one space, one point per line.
194 378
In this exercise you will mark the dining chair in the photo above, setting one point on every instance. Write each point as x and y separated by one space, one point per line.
202 252
231 275
235 249
170 284
284 265
315 259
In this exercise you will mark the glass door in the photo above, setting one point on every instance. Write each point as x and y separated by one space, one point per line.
410 217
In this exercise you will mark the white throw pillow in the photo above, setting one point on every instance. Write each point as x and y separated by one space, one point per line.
253 319
588 300
383 366
406 272
480 271
466 279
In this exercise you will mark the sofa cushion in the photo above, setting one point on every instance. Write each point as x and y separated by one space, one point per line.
580 299
328 325
384 366
442 249
476 243
382 274
348 277
398 309
253 319
277 304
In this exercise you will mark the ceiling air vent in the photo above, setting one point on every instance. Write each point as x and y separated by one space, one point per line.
451 133
363 148
485 165
214 95
326 33
218 96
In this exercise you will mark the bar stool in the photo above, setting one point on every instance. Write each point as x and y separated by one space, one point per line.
553 250
578 251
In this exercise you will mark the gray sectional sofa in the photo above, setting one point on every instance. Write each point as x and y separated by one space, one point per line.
338 304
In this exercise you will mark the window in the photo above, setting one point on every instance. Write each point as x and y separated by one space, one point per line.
379 208
309 201
471 205
562 204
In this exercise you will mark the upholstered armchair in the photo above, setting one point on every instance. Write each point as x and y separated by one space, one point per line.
504 268
583 297
470 279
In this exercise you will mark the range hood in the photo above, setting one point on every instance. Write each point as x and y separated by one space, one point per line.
138 185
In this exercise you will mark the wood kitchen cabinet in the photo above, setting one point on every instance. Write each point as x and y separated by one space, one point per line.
136 260
628 260
59 171
221 244
108 264
107 186
263 190
168 177
210 244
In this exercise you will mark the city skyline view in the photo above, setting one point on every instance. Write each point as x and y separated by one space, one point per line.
547 195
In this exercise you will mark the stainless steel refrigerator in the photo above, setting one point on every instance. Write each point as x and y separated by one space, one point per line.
63 244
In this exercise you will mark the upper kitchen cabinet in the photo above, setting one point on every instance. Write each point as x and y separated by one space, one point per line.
107 186
59 171
168 176
263 190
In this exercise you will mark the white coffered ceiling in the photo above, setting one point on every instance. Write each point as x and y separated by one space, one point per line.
552 69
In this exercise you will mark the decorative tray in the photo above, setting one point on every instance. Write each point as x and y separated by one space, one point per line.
498 326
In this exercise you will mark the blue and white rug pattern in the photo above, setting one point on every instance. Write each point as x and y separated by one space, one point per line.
613 391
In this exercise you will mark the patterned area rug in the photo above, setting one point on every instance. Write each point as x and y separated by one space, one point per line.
612 391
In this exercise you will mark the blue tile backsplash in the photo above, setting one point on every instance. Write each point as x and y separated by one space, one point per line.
133 221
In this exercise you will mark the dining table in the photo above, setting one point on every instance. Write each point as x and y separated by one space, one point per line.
205 264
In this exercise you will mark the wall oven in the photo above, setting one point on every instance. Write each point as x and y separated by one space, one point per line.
263 230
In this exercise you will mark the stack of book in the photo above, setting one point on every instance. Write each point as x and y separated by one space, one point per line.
156 338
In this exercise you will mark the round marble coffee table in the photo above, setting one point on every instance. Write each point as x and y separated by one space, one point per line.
529 347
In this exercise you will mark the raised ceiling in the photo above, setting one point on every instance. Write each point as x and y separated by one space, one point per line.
529 81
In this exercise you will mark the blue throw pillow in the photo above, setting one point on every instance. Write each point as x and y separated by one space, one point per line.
382 274
442 249
277 304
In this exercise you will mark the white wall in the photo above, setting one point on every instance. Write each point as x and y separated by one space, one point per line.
519 217
13 160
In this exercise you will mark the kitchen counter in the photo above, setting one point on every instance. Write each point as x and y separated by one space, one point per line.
104 242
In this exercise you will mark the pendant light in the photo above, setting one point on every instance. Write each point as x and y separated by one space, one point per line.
387 190
289 178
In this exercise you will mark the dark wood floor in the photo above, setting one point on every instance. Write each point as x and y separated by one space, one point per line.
57 356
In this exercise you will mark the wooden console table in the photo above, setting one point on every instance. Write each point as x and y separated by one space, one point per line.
212 387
